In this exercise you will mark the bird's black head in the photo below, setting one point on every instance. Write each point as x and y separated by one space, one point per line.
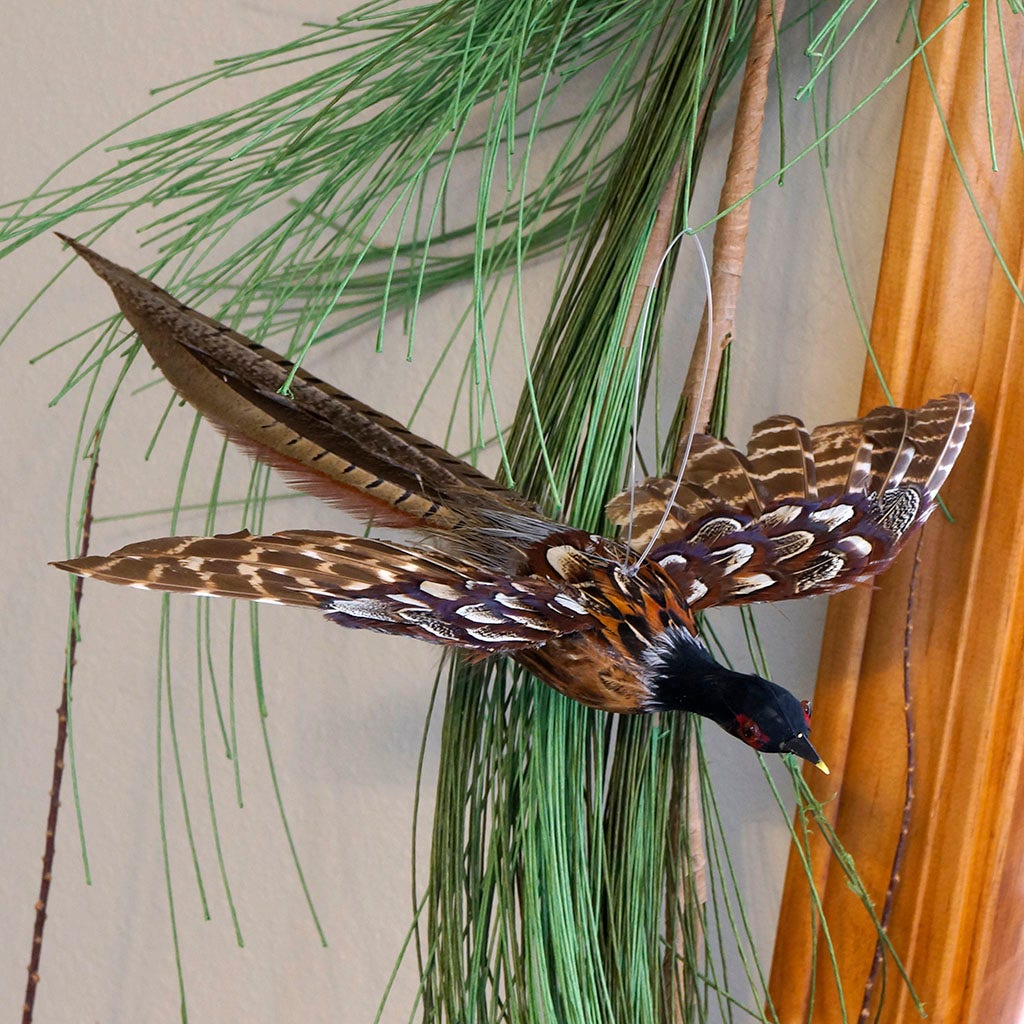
767 717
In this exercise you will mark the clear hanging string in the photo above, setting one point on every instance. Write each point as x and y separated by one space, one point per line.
634 451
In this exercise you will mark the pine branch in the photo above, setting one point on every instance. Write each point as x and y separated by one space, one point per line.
731 231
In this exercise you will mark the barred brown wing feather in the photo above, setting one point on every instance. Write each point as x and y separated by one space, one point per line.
355 582
723 471
892 461
648 507
938 434
716 475
890 448
323 440
888 430
842 458
779 464
782 460
895 458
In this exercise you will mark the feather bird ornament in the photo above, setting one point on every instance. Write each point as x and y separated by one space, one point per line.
802 512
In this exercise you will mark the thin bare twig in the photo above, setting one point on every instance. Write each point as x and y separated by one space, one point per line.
731 232
908 799
58 760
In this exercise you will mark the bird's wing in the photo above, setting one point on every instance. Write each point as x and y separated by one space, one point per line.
835 506
323 440
356 582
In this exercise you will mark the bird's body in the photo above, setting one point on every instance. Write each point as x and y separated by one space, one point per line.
801 513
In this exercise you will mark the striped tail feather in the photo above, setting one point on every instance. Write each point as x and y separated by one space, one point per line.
324 441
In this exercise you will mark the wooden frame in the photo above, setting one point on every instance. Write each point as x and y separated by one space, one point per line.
946 318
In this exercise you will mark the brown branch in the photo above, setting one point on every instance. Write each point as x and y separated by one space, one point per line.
657 243
731 231
661 231
58 760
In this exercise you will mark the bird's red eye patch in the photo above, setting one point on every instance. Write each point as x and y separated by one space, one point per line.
748 731
806 705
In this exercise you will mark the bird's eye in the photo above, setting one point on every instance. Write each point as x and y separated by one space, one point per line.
806 705
750 732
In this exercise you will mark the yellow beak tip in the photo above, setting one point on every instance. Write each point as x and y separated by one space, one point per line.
822 767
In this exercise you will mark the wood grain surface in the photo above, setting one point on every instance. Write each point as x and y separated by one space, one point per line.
946 318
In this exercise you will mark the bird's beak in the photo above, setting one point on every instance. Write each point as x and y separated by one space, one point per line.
801 746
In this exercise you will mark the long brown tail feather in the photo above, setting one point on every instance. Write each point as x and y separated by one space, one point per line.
323 440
